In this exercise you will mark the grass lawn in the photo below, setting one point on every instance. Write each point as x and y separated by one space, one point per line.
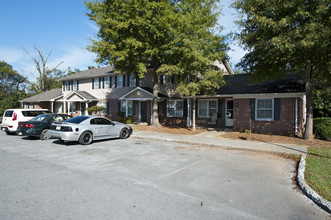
318 170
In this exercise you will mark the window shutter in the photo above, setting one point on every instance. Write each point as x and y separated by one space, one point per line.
134 103
63 86
196 109
252 108
123 80
161 79
115 81
110 82
128 80
277 109
119 106
137 81
220 102
77 84
185 108
107 108
100 83
103 82
92 83
72 85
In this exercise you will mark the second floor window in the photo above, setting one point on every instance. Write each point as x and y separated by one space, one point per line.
119 81
132 81
74 85
95 82
107 82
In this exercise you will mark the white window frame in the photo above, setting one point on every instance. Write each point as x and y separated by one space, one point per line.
74 85
67 85
175 110
132 81
208 109
272 109
130 107
107 82
96 83
103 104
120 82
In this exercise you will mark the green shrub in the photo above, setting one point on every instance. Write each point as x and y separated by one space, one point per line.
95 109
129 120
322 128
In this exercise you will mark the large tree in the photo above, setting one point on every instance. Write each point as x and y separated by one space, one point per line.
284 36
171 37
12 87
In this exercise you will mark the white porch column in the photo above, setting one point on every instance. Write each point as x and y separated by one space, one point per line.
126 108
86 106
52 106
68 107
188 113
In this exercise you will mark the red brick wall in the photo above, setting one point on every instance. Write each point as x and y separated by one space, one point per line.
284 126
113 109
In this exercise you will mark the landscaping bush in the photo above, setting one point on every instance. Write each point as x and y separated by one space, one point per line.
129 120
95 109
322 128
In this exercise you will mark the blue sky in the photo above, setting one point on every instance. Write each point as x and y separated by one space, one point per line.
61 26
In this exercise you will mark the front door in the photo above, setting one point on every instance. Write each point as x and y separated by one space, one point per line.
82 108
143 111
229 113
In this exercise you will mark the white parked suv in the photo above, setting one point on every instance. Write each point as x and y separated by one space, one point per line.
11 117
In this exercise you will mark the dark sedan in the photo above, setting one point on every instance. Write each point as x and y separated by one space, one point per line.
38 126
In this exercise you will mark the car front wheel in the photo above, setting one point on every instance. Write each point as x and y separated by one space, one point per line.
124 133
86 138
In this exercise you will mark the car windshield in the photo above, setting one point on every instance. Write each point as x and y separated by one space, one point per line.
39 118
77 120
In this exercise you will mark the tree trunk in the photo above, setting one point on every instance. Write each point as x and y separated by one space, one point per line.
155 114
309 102
193 114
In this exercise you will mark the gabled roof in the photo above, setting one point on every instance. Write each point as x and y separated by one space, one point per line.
91 73
82 94
45 96
239 84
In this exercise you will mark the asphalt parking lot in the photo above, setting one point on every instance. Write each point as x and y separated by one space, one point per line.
143 179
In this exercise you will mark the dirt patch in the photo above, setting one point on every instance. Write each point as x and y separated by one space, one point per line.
169 130
275 139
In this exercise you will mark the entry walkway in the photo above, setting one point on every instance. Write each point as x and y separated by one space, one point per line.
212 139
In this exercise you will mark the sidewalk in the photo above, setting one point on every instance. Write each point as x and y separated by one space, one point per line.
211 139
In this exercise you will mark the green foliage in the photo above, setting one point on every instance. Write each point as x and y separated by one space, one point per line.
124 119
174 37
322 128
129 120
318 170
322 97
284 36
12 87
95 109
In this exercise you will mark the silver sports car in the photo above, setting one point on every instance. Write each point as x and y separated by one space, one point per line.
85 129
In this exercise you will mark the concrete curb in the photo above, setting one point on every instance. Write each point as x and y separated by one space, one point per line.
323 203
220 146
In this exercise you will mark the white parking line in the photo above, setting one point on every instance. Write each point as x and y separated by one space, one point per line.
179 170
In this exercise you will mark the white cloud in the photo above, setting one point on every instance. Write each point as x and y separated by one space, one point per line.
10 55
75 57
92 25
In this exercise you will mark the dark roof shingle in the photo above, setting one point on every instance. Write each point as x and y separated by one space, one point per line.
239 84
45 96
91 73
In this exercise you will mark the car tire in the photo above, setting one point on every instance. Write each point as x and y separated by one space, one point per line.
44 135
86 138
124 134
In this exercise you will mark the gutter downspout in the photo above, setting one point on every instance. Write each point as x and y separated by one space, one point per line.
296 117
